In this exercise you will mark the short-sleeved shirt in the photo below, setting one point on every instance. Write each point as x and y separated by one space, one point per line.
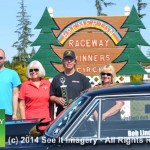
76 83
106 105
36 99
9 79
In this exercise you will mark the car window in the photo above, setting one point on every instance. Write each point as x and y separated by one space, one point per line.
65 118
88 127
132 120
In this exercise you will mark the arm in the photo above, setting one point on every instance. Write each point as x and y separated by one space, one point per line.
15 102
86 83
22 108
113 110
53 98
58 100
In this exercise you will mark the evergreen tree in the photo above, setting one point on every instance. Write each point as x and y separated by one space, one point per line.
132 54
33 52
141 6
23 31
46 38
7 64
99 6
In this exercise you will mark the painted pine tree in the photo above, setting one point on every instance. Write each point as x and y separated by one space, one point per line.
132 53
46 38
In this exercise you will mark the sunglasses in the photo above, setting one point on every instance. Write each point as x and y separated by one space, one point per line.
108 74
35 70
1 57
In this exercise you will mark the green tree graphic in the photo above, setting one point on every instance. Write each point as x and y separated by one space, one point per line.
132 53
46 38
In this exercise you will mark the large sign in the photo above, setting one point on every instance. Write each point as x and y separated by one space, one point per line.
94 40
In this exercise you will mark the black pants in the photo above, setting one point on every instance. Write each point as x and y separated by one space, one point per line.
8 117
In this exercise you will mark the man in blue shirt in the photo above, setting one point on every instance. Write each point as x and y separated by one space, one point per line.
9 89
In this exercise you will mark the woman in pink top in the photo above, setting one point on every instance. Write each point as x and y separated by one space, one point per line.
34 94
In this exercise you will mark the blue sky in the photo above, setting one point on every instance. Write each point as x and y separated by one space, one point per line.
35 9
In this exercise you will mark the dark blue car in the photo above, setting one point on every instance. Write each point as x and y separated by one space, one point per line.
80 125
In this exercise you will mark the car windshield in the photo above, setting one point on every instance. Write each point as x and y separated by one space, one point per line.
66 116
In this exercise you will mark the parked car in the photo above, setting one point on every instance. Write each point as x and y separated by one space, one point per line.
80 125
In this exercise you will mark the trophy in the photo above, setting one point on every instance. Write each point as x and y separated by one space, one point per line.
64 91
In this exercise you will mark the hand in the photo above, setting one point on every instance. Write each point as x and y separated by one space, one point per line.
104 117
14 117
60 100
70 101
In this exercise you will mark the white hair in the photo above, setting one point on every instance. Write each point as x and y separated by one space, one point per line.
38 65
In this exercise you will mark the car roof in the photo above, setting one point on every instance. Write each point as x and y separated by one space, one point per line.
118 89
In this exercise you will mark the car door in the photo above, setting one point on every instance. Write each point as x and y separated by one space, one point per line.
134 122
85 128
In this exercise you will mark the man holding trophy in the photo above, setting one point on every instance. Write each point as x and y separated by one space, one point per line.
67 85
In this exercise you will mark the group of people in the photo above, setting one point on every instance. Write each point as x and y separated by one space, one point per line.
33 97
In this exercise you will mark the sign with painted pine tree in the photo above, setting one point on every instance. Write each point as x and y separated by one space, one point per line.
46 38
132 53
96 41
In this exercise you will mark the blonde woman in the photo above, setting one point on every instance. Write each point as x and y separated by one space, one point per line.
110 109
107 74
